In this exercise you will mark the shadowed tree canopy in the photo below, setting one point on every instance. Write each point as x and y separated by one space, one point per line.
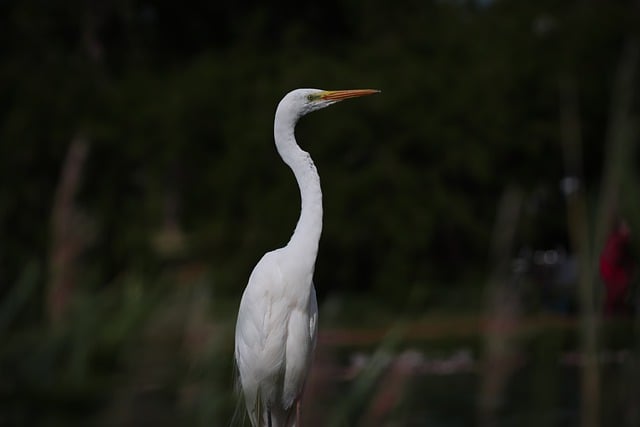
177 104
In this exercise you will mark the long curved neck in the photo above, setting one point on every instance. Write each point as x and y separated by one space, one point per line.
306 235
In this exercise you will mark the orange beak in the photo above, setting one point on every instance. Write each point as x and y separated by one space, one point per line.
339 95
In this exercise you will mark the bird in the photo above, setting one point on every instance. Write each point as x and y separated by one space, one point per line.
276 327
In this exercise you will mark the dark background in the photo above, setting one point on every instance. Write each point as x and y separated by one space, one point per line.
140 184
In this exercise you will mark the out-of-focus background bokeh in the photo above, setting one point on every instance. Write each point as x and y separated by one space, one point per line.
478 261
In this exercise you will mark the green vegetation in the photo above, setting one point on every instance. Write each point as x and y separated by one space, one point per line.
140 185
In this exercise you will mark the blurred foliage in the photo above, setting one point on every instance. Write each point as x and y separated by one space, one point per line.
182 190
177 104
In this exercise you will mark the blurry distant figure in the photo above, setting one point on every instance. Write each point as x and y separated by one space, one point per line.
554 274
616 269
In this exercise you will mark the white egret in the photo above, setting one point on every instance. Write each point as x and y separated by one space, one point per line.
277 319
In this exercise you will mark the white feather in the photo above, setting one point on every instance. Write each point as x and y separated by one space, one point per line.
277 320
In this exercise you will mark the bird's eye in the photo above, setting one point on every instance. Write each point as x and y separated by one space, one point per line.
310 97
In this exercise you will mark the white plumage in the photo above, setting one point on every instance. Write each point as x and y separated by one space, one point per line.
277 320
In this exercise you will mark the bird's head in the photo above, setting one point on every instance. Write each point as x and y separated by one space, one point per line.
299 102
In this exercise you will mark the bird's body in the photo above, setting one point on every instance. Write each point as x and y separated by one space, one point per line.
275 340
277 319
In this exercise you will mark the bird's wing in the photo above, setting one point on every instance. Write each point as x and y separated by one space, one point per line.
260 332
275 338
301 340
313 316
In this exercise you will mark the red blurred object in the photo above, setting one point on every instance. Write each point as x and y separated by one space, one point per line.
616 269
